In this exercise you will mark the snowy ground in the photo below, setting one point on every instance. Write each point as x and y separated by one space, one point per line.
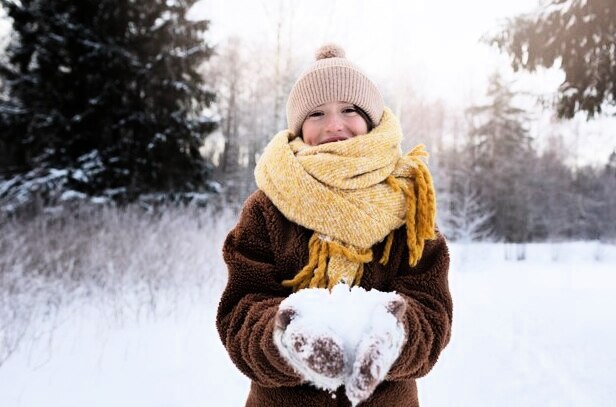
535 332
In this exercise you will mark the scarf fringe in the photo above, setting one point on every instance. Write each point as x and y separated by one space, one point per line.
420 226
314 274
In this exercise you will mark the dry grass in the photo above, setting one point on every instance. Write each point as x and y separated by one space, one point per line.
124 259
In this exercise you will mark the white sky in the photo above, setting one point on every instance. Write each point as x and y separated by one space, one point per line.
435 42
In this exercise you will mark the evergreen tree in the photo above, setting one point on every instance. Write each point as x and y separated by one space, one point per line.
106 95
553 204
499 153
610 167
608 183
589 220
580 35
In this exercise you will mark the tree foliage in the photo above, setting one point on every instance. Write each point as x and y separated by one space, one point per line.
106 92
498 147
577 35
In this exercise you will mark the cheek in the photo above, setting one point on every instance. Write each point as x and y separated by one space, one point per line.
310 133
359 126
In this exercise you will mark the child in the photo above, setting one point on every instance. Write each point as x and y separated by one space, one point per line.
337 203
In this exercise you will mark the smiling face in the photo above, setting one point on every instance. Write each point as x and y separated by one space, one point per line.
333 121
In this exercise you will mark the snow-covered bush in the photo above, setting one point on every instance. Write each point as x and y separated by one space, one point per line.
52 189
124 259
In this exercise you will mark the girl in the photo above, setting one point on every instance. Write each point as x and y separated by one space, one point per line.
337 204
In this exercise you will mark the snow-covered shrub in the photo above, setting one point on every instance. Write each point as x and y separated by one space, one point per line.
122 258
52 189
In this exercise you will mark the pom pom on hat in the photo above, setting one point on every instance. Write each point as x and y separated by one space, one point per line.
329 51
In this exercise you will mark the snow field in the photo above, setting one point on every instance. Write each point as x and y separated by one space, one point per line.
537 332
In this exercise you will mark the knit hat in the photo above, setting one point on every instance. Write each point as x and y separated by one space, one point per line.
332 78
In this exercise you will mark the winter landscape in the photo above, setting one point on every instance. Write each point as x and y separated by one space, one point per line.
529 332
129 135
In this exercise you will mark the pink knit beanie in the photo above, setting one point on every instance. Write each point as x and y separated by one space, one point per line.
332 78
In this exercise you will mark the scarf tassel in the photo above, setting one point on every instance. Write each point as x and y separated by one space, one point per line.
421 208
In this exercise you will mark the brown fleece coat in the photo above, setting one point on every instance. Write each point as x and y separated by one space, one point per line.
264 249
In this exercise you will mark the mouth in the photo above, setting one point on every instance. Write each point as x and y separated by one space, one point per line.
334 139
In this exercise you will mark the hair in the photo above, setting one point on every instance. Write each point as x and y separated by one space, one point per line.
365 116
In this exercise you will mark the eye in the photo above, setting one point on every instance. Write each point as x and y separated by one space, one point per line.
350 110
315 114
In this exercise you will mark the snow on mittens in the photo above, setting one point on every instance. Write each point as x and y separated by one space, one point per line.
347 336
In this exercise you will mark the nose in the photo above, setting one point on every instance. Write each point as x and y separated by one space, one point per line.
334 123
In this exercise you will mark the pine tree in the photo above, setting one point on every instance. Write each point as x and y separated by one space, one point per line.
105 93
553 201
608 181
500 150
610 167
589 220
579 36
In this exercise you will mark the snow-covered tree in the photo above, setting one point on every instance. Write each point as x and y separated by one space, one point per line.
463 213
610 167
589 220
553 205
499 151
577 35
594 201
470 215
609 188
107 93
250 81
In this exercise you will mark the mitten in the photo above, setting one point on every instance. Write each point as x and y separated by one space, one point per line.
377 350
314 351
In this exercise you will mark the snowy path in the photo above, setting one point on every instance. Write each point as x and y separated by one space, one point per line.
531 333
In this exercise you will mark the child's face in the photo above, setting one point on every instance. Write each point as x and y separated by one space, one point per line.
333 121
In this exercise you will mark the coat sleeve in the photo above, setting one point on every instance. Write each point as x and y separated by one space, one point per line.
247 309
429 311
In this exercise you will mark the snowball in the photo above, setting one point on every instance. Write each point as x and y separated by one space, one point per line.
356 319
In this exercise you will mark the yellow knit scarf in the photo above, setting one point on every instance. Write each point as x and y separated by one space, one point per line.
352 194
